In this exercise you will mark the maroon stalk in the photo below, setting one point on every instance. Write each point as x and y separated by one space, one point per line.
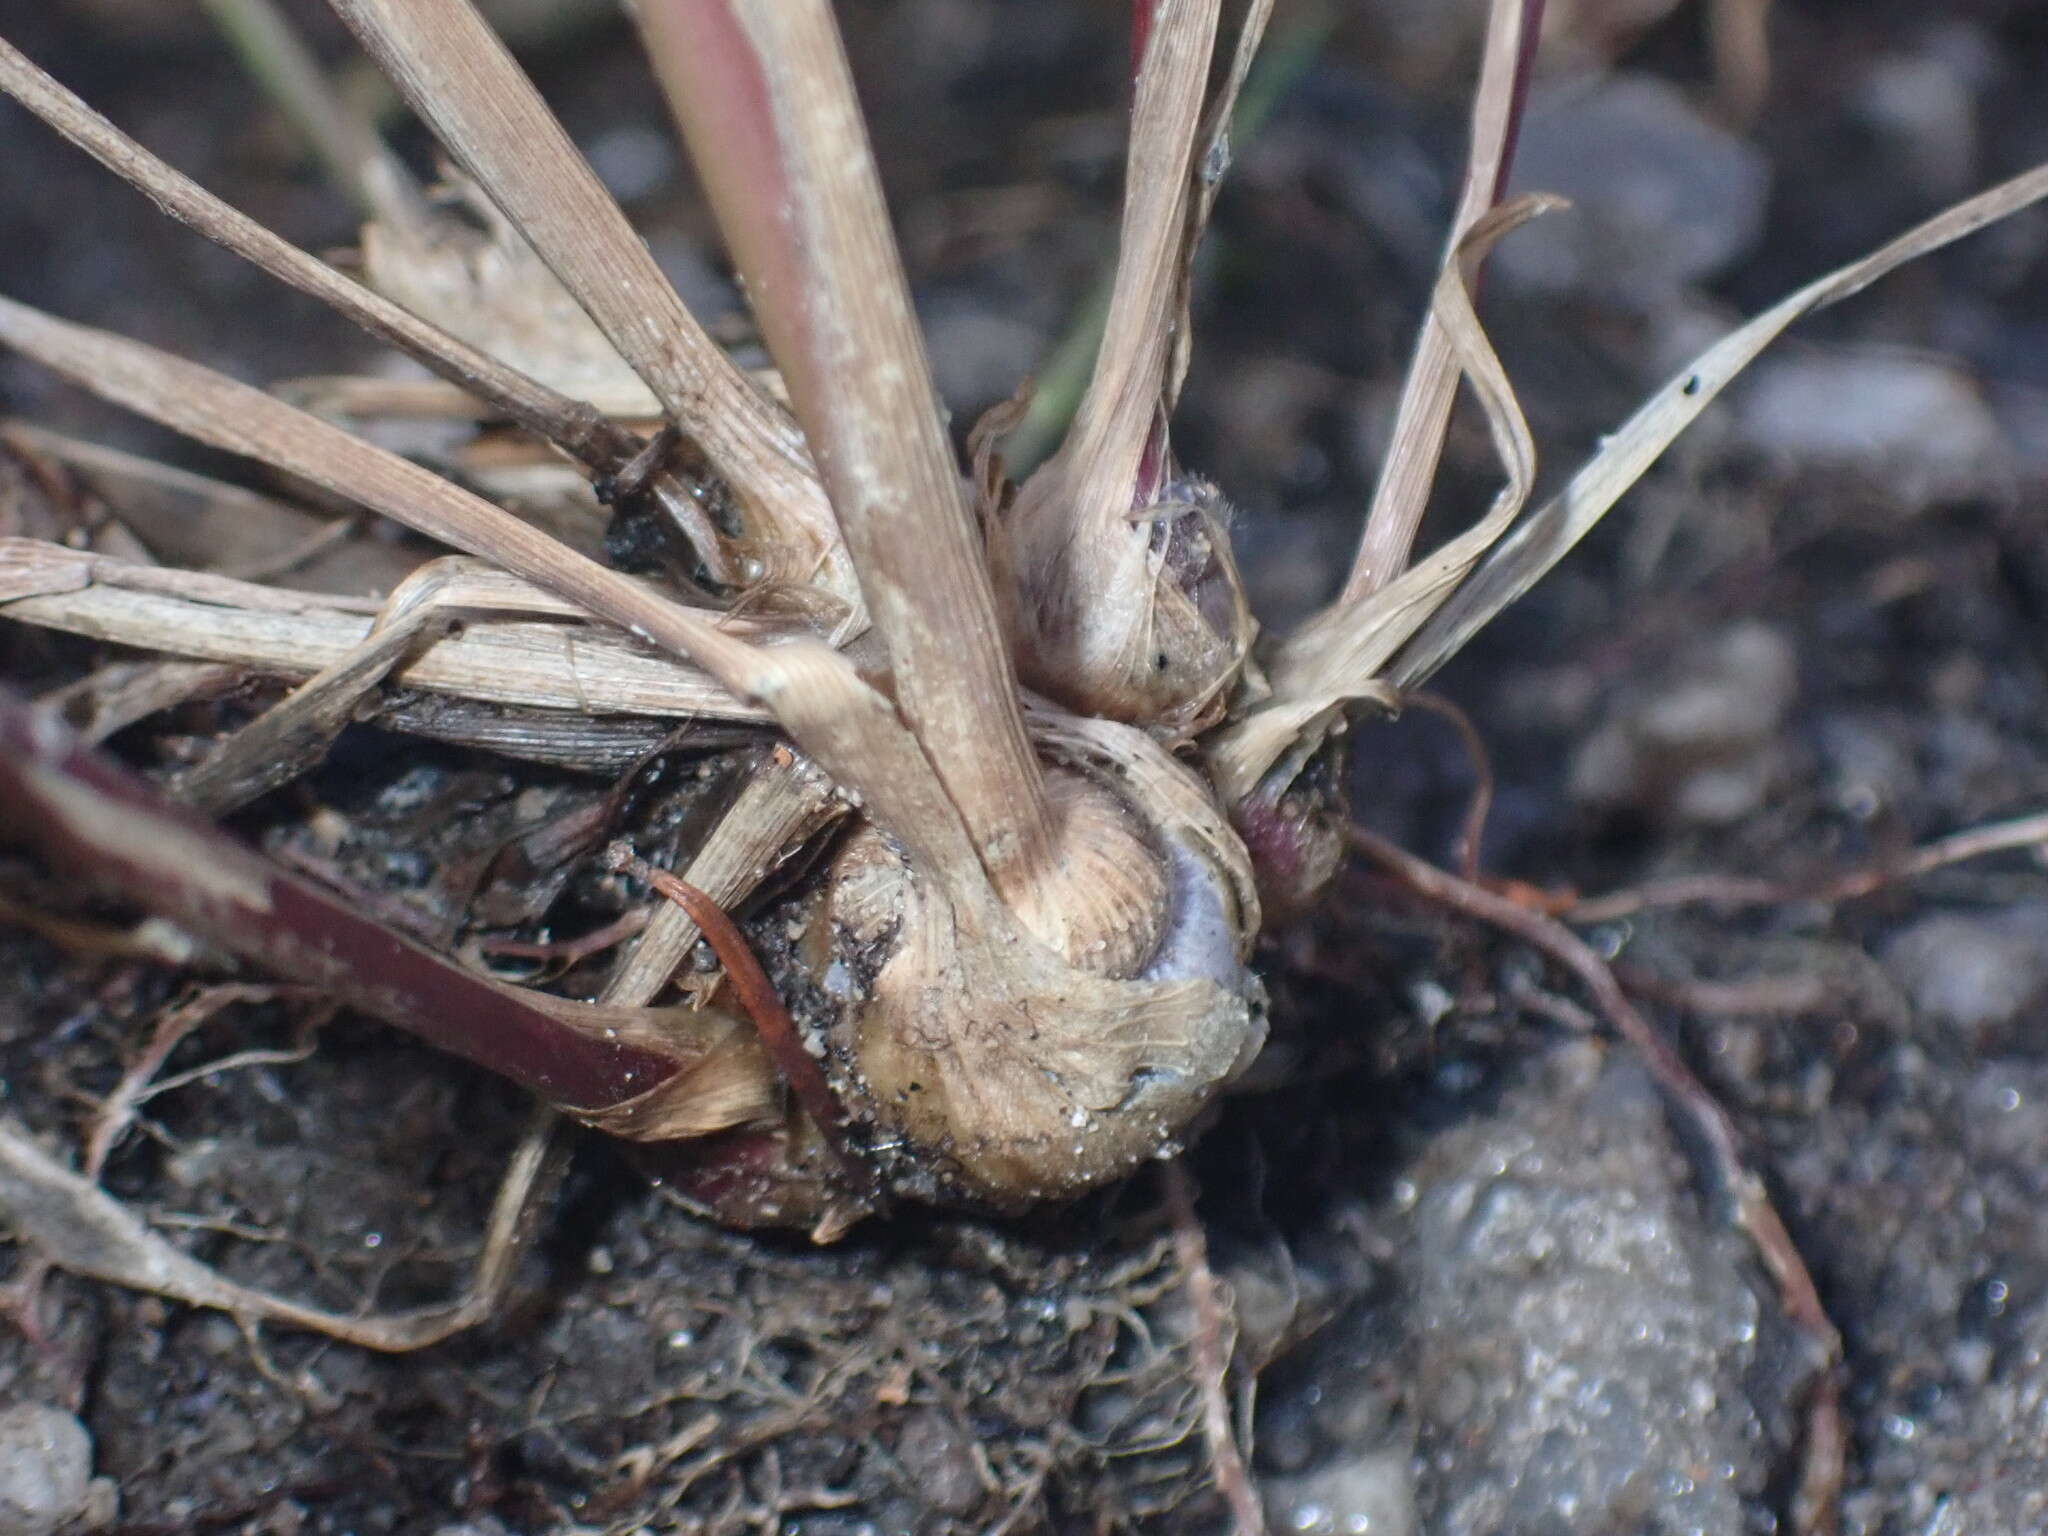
98 822
1141 32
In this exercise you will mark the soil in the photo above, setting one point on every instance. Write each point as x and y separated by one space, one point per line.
1481 1284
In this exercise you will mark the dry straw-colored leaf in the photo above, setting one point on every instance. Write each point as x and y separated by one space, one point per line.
456 74
1094 475
1338 655
572 424
1123 591
499 658
1548 533
1394 640
1431 383
778 809
338 130
816 694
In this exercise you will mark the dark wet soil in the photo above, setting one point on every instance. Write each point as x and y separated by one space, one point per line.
1483 1286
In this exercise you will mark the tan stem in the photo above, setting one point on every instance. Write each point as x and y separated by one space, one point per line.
766 100
779 806
342 139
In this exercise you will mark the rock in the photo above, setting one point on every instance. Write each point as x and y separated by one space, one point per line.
1582 1327
1661 197
1866 758
1369 1495
1871 409
940 1459
45 1470
1698 743
1972 972
1934 1196
1923 106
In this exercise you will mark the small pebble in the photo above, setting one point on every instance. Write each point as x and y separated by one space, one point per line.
1869 408
940 1460
45 1469
1698 743
1661 197
1368 1495
1972 972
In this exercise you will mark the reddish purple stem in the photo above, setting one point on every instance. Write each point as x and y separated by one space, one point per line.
103 825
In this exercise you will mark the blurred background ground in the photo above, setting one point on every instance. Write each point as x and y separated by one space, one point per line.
1482 1285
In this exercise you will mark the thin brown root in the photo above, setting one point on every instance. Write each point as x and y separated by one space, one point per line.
771 1019
1472 831
1817 1496
1739 890
569 952
1191 1247
138 1080
21 1299
66 1221
1755 997
757 994
782 804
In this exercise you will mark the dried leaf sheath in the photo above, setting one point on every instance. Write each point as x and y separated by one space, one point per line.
1338 655
498 657
1123 592
229 415
814 692
1095 474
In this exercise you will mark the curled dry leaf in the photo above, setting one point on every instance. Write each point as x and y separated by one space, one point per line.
1513 28
1626 454
1337 655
